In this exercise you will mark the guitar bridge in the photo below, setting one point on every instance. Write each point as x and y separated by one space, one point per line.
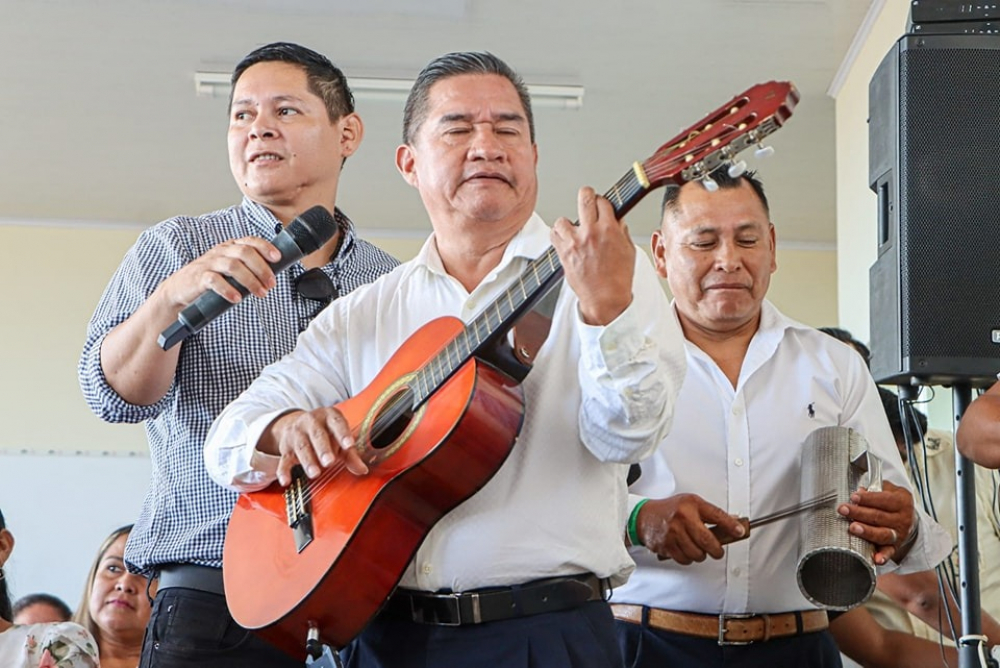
298 509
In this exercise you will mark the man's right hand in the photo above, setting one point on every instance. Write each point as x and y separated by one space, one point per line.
316 439
245 260
675 528
133 363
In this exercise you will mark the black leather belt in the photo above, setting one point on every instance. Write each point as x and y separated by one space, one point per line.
191 576
494 604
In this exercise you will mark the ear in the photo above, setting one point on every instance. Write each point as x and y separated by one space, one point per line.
6 545
657 245
774 247
406 164
352 131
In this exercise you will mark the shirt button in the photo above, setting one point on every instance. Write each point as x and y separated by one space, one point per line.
427 568
736 571
738 461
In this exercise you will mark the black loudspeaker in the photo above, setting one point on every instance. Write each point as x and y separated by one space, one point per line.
934 145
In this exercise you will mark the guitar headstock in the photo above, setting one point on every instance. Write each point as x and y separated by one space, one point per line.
719 137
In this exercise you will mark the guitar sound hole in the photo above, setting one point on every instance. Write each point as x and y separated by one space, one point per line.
392 431
393 419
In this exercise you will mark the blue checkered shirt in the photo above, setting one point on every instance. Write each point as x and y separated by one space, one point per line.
184 515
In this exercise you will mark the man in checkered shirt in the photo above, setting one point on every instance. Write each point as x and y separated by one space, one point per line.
291 127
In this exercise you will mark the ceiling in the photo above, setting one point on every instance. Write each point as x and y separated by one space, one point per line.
101 124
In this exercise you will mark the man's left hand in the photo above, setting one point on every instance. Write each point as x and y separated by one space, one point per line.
883 518
598 256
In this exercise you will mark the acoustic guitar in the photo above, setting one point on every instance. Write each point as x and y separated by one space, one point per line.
322 556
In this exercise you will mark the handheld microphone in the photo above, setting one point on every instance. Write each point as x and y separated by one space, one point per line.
304 235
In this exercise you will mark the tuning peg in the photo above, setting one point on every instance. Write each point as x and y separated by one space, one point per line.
709 183
763 151
737 169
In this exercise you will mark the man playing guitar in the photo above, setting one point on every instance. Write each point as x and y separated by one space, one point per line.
518 573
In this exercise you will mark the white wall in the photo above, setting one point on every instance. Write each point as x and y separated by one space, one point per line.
856 204
856 214
60 508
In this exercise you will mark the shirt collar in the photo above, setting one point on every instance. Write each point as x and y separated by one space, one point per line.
530 242
774 327
268 226
771 330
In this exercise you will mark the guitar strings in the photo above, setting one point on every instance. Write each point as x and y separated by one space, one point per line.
622 192
678 162
718 117
459 347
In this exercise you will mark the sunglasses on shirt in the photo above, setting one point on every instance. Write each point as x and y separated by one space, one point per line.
316 285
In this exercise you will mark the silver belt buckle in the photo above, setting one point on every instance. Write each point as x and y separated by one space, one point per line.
453 603
723 618
449 602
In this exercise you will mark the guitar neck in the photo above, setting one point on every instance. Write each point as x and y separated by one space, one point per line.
497 319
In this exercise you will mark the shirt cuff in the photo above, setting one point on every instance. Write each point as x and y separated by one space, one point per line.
633 501
245 468
613 345
932 546
263 462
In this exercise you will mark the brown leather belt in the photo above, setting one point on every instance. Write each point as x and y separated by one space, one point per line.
735 629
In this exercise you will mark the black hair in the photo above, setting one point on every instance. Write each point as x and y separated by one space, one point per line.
44 599
848 338
82 615
890 403
5 606
324 78
724 180
455 64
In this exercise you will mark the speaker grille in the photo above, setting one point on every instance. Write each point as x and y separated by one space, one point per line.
949 203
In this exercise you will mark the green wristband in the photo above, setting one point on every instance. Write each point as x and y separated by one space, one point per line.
633 521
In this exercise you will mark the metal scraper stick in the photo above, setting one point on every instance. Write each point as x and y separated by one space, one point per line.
725 538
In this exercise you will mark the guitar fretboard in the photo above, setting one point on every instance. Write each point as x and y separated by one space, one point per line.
500 315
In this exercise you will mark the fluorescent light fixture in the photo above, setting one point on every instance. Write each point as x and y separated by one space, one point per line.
216 84
556 97
211 84
380 89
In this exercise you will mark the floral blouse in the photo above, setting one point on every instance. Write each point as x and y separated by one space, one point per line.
58 645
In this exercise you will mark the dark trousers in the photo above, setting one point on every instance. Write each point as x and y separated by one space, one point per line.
580 638
193 628
645 647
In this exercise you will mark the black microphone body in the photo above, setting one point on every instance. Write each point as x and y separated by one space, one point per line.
304 235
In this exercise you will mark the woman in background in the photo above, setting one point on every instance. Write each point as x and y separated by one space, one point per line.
59 645
115 606
38 608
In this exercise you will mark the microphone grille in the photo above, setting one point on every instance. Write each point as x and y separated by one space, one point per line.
312 229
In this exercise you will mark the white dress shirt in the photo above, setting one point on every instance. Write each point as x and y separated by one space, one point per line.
740 449
597 399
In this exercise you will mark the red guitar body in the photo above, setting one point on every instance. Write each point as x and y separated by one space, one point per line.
452 446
